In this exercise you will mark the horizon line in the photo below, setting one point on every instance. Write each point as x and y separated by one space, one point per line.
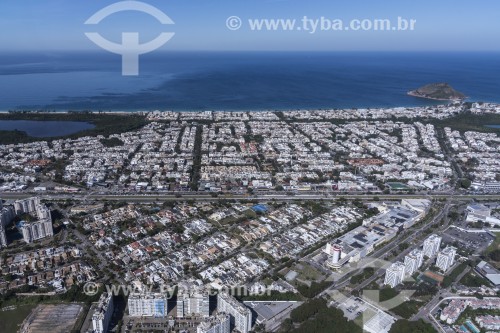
255 51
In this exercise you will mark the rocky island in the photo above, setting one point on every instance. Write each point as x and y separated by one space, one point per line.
437 91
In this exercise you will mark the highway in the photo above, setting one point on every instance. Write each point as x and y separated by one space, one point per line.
208 197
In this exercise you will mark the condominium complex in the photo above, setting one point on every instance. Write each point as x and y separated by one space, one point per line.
34 230
395 274
446 258
103 313
192 303
148 305
413 261
218 324
241 316
432 245
27 206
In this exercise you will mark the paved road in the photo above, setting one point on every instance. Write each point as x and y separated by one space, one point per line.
103 261
205 197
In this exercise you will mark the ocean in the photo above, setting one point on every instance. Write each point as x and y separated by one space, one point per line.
192 81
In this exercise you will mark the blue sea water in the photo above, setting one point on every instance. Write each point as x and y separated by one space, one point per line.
240 80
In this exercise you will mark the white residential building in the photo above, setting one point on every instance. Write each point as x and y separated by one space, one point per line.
413 261
3 237
432 245
479 212
395 274
103 313
241 316
446 258
218 324
6 216
148 305
28 206
192 303
33 231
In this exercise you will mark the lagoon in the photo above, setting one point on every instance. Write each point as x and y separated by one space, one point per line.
45 129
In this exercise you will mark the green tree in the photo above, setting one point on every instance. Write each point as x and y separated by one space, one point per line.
406 326
465 183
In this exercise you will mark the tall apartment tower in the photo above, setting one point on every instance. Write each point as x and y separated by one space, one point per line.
3 237
432 245
395 274
103 313
148 305
6 216
446 258
413 261
40 228
241 316
33 231
192 303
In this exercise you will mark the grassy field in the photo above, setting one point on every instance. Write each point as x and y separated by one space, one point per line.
11 319
495 246
407 309
473 279
308 273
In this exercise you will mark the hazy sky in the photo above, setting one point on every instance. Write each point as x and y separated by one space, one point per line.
443 25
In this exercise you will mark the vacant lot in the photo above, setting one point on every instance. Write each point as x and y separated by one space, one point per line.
493 252
307 273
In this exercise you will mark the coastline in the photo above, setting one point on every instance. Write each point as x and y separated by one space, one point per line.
128 112
411 93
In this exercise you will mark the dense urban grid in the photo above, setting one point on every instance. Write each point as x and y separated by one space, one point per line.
376 220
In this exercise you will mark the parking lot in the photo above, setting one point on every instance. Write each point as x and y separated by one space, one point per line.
475 242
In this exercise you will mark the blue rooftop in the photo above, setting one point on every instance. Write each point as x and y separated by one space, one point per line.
259 208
